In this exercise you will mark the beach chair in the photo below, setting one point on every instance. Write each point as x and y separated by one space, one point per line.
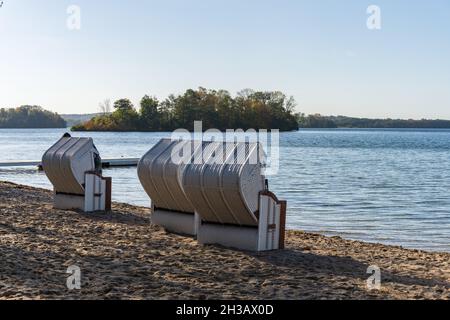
219 195
231 197
73 166
161 180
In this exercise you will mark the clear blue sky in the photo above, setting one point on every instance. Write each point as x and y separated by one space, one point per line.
319 51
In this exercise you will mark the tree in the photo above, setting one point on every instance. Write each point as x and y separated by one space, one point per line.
125 117
124 105
105 106
149 113
166 113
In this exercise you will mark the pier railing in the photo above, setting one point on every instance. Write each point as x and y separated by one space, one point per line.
106 163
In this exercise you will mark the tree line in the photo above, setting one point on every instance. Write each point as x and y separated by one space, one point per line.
30 117
319 121
216 108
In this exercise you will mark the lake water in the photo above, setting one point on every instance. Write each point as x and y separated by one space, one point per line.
387 186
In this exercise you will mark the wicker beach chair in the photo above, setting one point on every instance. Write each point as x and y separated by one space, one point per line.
215 191
73 166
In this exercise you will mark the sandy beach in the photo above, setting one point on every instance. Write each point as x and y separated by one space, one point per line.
123 256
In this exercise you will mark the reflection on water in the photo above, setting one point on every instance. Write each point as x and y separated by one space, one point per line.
375 185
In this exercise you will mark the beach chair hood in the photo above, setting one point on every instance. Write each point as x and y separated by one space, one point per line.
67 161
224 188
161 177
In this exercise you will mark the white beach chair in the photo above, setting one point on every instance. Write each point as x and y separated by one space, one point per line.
73 166
161 179
220 194
235 208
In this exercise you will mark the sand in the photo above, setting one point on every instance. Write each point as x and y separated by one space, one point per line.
121 255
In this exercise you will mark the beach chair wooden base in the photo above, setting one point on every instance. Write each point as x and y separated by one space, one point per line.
269 235
181 223
242 238
96 198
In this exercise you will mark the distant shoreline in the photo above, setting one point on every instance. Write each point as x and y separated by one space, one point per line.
342 122
377 128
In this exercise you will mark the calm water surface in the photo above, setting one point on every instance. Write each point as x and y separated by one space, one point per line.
388 186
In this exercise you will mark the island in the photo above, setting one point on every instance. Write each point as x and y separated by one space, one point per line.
217 109
25 117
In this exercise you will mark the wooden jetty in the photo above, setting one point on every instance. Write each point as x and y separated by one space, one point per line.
106 163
